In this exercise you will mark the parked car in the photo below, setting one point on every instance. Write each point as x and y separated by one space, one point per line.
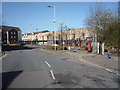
55 45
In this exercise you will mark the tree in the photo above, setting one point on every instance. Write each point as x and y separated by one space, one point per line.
50 38
63 33
105 23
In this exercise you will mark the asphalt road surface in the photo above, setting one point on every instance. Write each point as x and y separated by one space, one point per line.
36 68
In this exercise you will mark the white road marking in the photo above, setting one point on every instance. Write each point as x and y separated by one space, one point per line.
118 74
48 64
52 74
73 81
2 57
109 70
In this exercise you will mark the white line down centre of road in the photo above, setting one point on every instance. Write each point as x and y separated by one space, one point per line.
48 64
52 74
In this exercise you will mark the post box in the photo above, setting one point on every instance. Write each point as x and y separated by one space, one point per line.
89 47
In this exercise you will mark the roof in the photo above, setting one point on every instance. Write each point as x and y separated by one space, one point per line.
7 28
37 32
41 31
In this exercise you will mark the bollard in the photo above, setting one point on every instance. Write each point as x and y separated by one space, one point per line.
108 54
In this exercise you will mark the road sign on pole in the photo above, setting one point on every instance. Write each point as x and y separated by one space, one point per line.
102 48
98 46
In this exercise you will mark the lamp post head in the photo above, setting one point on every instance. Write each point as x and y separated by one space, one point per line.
54 21
51 6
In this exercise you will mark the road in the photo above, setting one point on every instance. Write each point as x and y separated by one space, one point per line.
31 68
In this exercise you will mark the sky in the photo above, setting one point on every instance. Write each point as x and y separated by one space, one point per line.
37 16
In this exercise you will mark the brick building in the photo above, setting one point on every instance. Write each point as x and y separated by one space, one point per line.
11 34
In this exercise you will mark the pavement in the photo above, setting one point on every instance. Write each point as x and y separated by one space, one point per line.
98 60
103 61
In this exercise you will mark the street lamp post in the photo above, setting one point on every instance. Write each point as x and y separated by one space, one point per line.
54 21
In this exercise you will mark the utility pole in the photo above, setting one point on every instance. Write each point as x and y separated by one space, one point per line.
66 35
95 42
0 42
93 45
69 39
31 39
61 34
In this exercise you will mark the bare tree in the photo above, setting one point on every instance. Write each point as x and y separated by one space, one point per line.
101 19
50 38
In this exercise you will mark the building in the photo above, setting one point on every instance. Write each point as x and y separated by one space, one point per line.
0 41
74 37
11 34
71 36
40 37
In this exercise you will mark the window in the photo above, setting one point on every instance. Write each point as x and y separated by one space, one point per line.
66 37
14 32
42 37
11 36
73 36
14 36
11 32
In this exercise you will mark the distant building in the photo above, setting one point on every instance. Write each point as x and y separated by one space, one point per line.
72 37
0 41
11 34
36 36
